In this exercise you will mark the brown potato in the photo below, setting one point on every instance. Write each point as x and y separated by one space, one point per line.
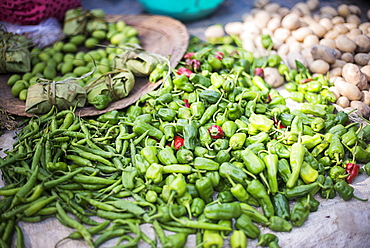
348 90
353 75
319 66
362 107
366 97
366 71
343 102
363 43
325 53
273 77
344 44
362 58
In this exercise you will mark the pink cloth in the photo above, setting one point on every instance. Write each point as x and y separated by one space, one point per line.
32 12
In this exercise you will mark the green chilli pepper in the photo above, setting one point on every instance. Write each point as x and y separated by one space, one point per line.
245 224
154 173
258 191
345 191
299 214
222 211
205 189
167 156
261 122
212 239
197 206
238 239
101 101
281 206
205 164
279 224
268 240
177 240
271 162
297 152
328 191
253 163
300 190
182 82
253 213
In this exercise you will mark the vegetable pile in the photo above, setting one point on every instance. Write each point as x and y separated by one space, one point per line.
327 40
214 152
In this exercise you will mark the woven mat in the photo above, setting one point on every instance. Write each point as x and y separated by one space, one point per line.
158 34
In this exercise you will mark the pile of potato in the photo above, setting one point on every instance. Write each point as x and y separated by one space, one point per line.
326 40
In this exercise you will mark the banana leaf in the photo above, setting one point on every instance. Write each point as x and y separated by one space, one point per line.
14 52
115 84
61 94
82 21
137 60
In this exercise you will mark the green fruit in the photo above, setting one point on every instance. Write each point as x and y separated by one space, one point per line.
52 63
26 77
66 67
81 70
69 48
50 72
43 56
78 39
94 54
18 87
38 68
33 80
58 57
69 57
98 13
13 78
91 42
117 38
102 52
58 46
104 66
79 59
99 34
120 25
23 94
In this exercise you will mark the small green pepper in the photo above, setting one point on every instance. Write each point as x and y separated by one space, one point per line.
281 206
279 224
222 211
346 191
254 214
299 214
268 240
182 82
212 239
101 101
197 206
258 191
238 239
245 224
328 191
253 163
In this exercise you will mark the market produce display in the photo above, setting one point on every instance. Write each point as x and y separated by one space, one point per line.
214 152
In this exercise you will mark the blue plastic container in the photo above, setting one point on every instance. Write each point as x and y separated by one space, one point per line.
183 10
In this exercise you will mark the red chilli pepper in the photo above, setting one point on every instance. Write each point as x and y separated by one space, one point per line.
186 103
219 55
268 98
278 123
178 142
185 71
192 64
306 80
258 71
352 170
216 132
189 55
